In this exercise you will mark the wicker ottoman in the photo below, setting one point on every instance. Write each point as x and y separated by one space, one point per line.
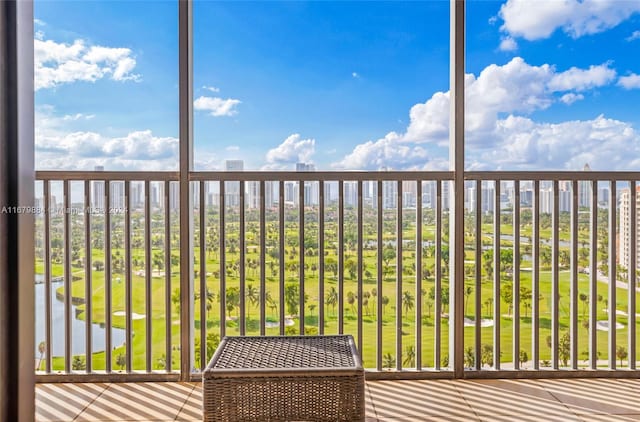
304 378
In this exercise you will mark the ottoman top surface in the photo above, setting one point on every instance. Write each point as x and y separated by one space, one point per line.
271 352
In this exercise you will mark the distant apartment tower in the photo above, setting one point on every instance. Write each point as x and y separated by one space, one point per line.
97 191
310 188
232 189
584 190
547 201
625 228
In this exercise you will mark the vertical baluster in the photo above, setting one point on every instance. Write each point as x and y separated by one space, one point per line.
301 254
87 276
321 256
202 257
593 279
516 275
107 274
263 265
167 276
535 280
243 260
147 274
359 243
419 275
341 257
281 239
574 275
632 272
496 276
437 329
555 280
67 278
379 275
47 275
612 275
127 277
399 302
223 261
478 275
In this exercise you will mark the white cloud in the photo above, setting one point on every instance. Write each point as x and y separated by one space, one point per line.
499 132
534 20
39 22
233 148
581 79
217 106
59 63
634 36
292 150
355 74
508 44
58 145
211 88
629 82
571 98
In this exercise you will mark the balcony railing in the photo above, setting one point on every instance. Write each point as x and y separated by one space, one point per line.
365 253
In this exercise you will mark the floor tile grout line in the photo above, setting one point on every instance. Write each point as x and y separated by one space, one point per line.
92 401
543 386
464 399
193 388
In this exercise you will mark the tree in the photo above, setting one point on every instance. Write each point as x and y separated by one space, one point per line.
468 290
564 348
175 299
42 347
388 361
98 265
121 361
351 300
506 293
584 299
78 363
409 356
486 354
232 299
351 266
621 353
253 296
407 301
523 357
469 357
385 302
292 298
388 255
332 298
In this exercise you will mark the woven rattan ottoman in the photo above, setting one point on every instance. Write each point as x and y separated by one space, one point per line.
303 378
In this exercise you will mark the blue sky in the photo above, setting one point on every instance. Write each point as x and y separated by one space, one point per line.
345 85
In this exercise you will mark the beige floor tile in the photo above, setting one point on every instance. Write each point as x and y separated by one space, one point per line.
510 398
418 399
63 402
138 402
609 418
530 418
593 396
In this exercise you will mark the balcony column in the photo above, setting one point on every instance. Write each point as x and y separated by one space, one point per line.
456 208
17 345
185 75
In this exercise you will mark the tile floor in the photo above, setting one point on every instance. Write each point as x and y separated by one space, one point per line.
408 401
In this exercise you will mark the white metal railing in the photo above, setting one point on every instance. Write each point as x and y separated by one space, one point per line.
364 253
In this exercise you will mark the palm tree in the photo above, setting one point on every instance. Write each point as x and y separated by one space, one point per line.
121 361
407 302
584 299
351 300
253 295
467 294
388 361
332 299
385 302
410 356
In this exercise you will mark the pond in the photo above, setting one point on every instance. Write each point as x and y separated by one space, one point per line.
77 326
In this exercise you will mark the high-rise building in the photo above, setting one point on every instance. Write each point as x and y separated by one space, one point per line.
97 192
350 194
584 190
624 249
116 191
253 195
232 189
